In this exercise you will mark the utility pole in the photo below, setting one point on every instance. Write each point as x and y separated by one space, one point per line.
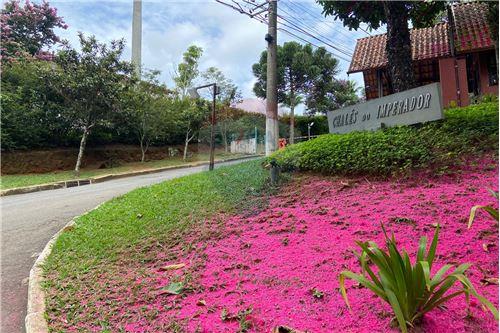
272 129
137 36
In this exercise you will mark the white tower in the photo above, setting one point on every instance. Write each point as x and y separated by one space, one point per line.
137 35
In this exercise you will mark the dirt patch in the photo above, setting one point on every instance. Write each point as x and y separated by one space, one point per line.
41 161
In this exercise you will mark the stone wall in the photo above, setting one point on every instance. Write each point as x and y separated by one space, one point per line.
40 161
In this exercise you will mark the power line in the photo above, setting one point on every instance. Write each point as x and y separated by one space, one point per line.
313 15
313 36
289 25
319 30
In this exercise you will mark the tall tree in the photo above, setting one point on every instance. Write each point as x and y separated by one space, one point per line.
324 91
294 67
396 15
149 109
228 95
91 82
186 74
30 107
29 29
190 117
330 95
187 71
492 18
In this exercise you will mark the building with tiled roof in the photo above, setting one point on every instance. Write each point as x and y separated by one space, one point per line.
459 53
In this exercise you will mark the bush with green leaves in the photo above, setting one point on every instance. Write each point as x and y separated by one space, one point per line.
409 289
464 130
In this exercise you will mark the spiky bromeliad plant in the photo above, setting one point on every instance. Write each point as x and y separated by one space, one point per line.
409 289
489 209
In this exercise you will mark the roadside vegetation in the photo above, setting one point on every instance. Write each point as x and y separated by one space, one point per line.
187 254
50 96
21 180
464 131
129 227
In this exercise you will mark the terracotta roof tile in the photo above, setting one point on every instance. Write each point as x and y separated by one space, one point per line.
426 43
471 26
471 33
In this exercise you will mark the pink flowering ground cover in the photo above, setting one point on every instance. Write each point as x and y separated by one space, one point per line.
280 266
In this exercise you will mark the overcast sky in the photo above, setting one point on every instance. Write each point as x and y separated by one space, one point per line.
231 41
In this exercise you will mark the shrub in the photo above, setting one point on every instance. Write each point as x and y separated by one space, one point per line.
410 289
380 152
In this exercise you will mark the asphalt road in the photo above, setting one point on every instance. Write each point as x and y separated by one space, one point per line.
30 220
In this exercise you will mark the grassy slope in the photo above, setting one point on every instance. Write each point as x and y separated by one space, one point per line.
382 152
149 215
12 181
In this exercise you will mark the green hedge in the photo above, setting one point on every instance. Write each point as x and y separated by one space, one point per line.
464 130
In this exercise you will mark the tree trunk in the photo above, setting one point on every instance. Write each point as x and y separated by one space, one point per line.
186 142
398 46
143 151
224 136
83 142
292 122
292 112
492 17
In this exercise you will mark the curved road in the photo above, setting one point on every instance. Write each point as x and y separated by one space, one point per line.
30 220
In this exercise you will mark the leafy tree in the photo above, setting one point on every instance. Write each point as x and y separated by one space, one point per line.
320 124
492 18
191 116
187 70
30 108
331 94
228 94
324 91
396 15
28 29
149 108
295 66
91 83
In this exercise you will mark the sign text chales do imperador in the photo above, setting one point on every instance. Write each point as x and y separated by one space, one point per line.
412 106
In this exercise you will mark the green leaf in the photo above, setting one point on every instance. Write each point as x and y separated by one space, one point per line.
490 210
362 280
432 249
174 288
422 244
465 281
393 301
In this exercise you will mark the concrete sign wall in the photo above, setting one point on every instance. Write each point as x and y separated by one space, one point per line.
412 106
248 146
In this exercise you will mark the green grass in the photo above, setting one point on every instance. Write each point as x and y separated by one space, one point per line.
463 131
151 215
13 181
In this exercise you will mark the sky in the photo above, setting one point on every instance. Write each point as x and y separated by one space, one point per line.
231 41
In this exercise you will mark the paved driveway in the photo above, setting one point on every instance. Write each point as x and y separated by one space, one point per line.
30 220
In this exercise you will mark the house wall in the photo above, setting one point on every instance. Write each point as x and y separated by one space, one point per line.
483 76
451 94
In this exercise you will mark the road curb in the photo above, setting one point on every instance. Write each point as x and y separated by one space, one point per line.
35 317
100 179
